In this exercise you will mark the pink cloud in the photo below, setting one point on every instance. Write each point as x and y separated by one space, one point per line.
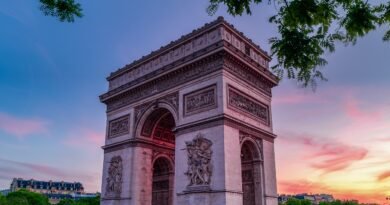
20 127
327 156
383 176
10 169
85 137
301 186
298 98
305 186
355 112
337 156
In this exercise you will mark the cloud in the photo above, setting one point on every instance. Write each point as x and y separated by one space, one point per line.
85 137
327 156
298 98
20 127
383 176
301 186
10 169
355 112
306 186
337 156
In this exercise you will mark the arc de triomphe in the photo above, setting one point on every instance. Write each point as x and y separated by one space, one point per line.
191 124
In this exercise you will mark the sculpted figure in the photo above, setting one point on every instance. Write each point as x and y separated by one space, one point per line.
199 160
114 179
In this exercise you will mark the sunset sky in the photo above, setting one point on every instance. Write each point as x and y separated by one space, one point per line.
335 140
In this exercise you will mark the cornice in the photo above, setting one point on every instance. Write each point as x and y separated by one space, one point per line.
166 69
225 119
184 38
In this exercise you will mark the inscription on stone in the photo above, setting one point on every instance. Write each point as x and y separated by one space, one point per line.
119 126
114 179
200 100
247 105
199 161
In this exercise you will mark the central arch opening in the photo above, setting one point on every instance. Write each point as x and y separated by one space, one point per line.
158 127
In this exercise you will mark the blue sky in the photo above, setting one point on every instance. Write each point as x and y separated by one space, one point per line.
51 74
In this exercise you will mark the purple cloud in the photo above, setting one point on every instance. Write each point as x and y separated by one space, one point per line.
20 127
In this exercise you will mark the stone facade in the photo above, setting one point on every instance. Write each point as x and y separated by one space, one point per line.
191 123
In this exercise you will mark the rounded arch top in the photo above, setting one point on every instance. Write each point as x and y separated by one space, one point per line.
162 163
157 113
250 150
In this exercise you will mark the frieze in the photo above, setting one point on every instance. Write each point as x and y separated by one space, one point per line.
169 56
114 179
119 126
166 82
199 155
200 100
247 105
245 48
256 80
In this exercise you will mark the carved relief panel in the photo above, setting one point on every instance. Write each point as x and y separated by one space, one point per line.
200 100
245 104
114 179
119 126
199 154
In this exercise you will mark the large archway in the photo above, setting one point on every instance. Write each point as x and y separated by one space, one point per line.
251 174
158 128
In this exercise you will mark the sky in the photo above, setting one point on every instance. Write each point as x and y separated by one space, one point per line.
334 140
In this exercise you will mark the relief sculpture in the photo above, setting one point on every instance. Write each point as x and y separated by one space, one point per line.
199 160
200 100
119 126
114 179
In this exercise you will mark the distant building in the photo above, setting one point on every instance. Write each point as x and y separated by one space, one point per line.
313 198
47 187
55 191
5 192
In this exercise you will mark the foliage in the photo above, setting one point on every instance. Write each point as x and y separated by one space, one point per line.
64 10
3 200
308 29
84 201
293 201
24 197
338 202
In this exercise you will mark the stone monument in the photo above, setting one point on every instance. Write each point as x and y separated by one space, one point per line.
191 124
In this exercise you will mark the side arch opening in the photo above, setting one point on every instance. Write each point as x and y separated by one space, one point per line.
251 170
